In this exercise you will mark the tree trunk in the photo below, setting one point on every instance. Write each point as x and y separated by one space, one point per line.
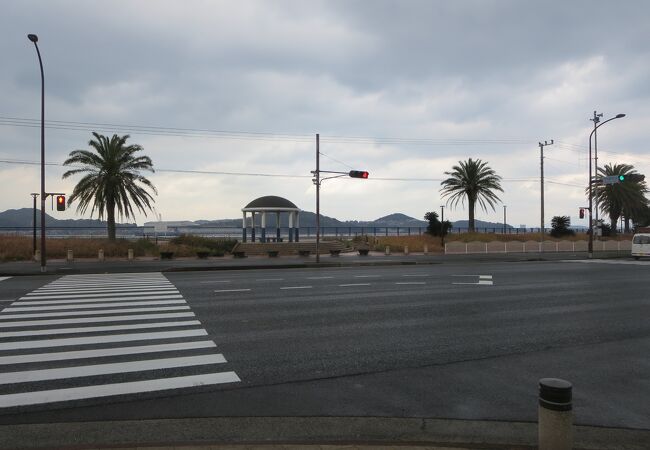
470 225
627 224
614 224
110 220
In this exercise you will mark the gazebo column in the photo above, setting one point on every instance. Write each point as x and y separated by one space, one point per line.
243 228
263 227
252 226
290 226
297 226
277 226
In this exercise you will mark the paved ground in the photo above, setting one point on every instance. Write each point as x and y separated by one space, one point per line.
457 340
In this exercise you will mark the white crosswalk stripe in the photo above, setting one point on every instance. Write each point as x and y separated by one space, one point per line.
73 338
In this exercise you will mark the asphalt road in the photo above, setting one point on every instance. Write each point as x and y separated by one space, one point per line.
460 340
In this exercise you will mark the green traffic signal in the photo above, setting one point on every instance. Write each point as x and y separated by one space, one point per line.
621 178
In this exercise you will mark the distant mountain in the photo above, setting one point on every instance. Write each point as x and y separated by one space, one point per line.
479 224
23 218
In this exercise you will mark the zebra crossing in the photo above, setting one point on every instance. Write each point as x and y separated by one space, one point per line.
91 336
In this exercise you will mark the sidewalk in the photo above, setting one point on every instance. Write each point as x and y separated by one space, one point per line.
87 266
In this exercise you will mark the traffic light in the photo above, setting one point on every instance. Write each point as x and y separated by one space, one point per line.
60 202
631 178
358 174
582 213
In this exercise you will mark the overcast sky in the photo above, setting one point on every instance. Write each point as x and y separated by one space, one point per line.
403 89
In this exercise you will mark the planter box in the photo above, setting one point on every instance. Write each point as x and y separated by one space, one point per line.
273 253
363 251
335 252
304 252
202 255
166 255
239 254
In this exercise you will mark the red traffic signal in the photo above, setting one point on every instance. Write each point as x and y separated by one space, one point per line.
60 202
582 213
358 174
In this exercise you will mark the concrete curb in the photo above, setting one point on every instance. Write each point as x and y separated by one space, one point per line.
306 430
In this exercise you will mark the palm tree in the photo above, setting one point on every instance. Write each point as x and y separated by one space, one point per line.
474 180
112 179
626 198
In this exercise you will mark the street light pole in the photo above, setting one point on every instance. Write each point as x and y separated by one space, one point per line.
504 219
596 120
590 247
34 195
34 39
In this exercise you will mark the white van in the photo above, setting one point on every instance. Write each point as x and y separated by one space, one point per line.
641 245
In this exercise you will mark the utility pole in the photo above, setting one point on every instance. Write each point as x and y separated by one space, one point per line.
34 195
317 182
504 219
541 182
442 227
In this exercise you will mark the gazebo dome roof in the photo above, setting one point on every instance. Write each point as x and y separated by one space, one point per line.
271 201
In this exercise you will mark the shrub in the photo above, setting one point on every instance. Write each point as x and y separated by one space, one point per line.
216 247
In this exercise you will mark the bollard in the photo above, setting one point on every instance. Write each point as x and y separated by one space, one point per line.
70 257
387 250
406 249
37 255
555 415
426 249
100 256
130 254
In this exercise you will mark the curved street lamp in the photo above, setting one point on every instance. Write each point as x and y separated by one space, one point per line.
34 39
591 225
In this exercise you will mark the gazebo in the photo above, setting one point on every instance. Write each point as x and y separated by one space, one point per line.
271 204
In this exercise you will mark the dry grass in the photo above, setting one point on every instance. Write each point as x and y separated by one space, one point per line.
19 248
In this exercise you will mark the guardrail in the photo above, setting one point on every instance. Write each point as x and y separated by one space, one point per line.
452 248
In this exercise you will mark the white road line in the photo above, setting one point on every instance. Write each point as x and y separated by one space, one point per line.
20 345
90 313
318 278
53 331
105 390
92 305
94 300
482 282
485 277
416 275
367 276
100 290
608 261
296 287
102 352
354 284
4 278
97 283
8 300
486 282
28 376
270 279
232 290
411 282
104 295
215 281
107 319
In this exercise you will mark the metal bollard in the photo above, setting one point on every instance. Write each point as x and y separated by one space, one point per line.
426 249
37 255
387 250
100 256
130 253
70 257
555 415
406 249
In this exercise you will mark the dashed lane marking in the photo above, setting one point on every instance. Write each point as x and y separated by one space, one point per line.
296 287
354 284
232 290
411 282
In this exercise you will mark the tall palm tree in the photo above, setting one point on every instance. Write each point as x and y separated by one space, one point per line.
626 198
112 179
474 180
